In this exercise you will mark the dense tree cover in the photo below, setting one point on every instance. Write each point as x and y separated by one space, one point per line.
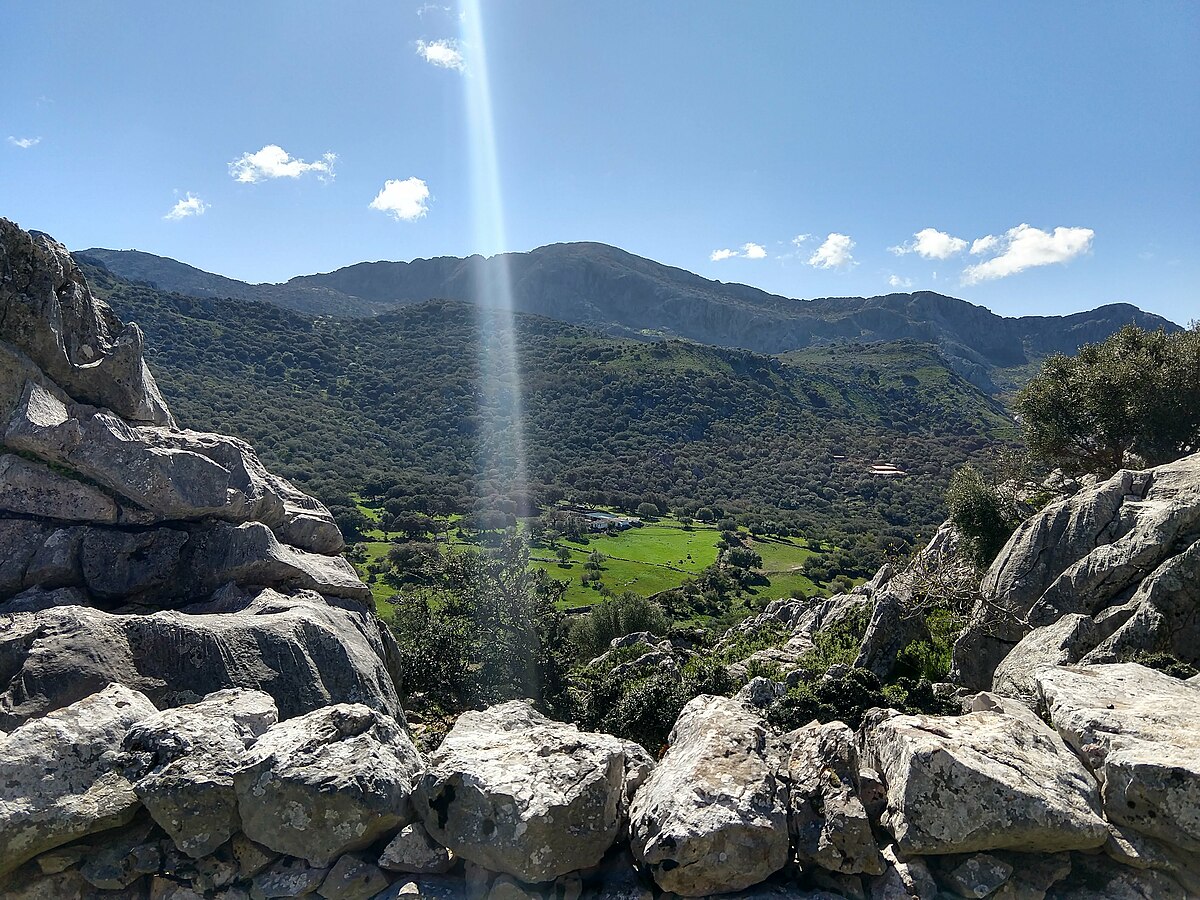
391 409
1134 397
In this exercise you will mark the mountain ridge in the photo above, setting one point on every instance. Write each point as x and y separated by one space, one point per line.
605 287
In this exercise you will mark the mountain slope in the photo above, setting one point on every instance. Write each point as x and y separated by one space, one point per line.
602 286
391 407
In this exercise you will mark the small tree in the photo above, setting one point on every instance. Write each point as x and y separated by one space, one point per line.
1136 394
647 510
564 556
982 513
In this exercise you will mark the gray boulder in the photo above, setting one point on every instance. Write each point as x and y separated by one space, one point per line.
983 781
829 825
517 793
712 817
51 796
306 652
1139 731
327 783
412 850
189 755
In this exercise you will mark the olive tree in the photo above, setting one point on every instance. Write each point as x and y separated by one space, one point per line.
1136 395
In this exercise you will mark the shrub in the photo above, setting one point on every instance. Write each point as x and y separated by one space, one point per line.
983 515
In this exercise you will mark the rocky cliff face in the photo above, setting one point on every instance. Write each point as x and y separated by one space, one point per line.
138 552
196 703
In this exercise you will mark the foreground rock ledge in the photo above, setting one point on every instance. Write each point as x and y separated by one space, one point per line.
983 781
712 818
517 793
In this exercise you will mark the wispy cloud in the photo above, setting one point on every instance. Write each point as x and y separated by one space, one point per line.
749 250
834 253
272 161
405 201
1026 247
25 142
931 244
190 205
431 8
800 239
897 282
443 53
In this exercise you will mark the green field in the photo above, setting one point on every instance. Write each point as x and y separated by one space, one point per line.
656 557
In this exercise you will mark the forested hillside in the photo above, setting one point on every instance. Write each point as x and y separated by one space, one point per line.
390 407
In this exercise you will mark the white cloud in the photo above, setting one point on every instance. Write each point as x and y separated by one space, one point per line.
931 244
431 7
1025 247
272 161
750 250
406 200
441 53
24 143
190 205
897 282
985 244
799 239
834 253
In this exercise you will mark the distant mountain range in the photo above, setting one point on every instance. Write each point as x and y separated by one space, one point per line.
605 287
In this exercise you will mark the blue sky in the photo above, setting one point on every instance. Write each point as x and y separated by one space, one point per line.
1031 157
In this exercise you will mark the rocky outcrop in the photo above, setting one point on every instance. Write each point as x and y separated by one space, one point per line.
110 513
303 650
1130 543
514 792
712 817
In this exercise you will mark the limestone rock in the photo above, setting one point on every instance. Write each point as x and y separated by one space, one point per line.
1096 549
1139 731
352 878
250 858
327 783
31 489
288 878
978 875
903 878
52 797
520 794
172 474
712 817
982 781
1066 641
122 857
191 753
414 851
828 823
303 650
51 316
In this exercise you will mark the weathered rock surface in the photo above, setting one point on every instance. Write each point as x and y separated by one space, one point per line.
414 851
51 316
327 783
32 489
1130 538
52 796
1139 731
828 823
517 793
987 780
189 755
712 817
303 650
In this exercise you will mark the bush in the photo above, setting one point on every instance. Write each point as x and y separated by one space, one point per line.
615 617
845 698
985 518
